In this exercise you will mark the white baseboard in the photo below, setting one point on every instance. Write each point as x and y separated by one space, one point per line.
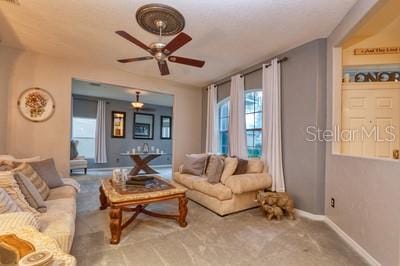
360 250
311 216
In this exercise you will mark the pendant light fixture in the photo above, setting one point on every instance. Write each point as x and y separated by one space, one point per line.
137 105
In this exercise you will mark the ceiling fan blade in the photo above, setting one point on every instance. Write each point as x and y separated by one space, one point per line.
186 61
162 65
132 39
176 43
128 60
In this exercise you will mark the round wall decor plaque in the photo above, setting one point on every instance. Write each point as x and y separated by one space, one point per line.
36 104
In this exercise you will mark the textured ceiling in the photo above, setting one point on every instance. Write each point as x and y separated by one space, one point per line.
228 35
120 93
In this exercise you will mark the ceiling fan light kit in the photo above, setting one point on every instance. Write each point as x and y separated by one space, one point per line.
161 20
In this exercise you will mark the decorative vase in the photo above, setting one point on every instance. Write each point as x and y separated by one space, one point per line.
146 148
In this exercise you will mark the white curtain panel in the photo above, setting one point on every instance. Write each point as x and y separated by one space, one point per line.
272 138
100 147
237 123
212 120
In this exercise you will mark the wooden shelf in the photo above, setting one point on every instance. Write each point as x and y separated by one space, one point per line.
370 85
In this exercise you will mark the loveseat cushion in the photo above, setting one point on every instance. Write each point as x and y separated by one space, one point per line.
185 179
59 221
218 190
248 182
63 192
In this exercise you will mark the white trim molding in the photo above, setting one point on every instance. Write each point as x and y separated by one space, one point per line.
360 250
309 215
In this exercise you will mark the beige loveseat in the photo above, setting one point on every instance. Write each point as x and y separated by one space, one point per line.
234 193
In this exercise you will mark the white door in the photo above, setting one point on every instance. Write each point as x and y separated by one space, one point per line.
372 116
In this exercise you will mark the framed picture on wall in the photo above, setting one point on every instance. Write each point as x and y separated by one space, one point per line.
118 124
142 130
165 127
143 126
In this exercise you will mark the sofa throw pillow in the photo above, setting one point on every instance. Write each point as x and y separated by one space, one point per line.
229 168
241 167
30 192
194 164
255 166
7 204
73 150
10 185
46 169
198 155
36 180
214 169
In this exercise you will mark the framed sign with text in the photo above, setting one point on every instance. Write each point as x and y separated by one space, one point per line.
377 51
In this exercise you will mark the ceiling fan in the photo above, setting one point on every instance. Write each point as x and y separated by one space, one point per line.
160 51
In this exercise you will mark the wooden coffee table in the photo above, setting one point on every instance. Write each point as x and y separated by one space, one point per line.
126 198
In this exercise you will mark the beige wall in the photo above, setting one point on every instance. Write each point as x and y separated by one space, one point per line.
367 191
6 55
387 37
51 138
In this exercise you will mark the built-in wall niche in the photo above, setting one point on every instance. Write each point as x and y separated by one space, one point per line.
165 127
118 124
143 126
371 73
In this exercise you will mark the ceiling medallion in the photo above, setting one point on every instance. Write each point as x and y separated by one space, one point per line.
151 16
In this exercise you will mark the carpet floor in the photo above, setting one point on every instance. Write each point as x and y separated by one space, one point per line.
245 238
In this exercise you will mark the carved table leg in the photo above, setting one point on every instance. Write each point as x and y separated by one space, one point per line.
115 224
182 211
103 199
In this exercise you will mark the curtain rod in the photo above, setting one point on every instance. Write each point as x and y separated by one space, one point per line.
255 70
87 99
